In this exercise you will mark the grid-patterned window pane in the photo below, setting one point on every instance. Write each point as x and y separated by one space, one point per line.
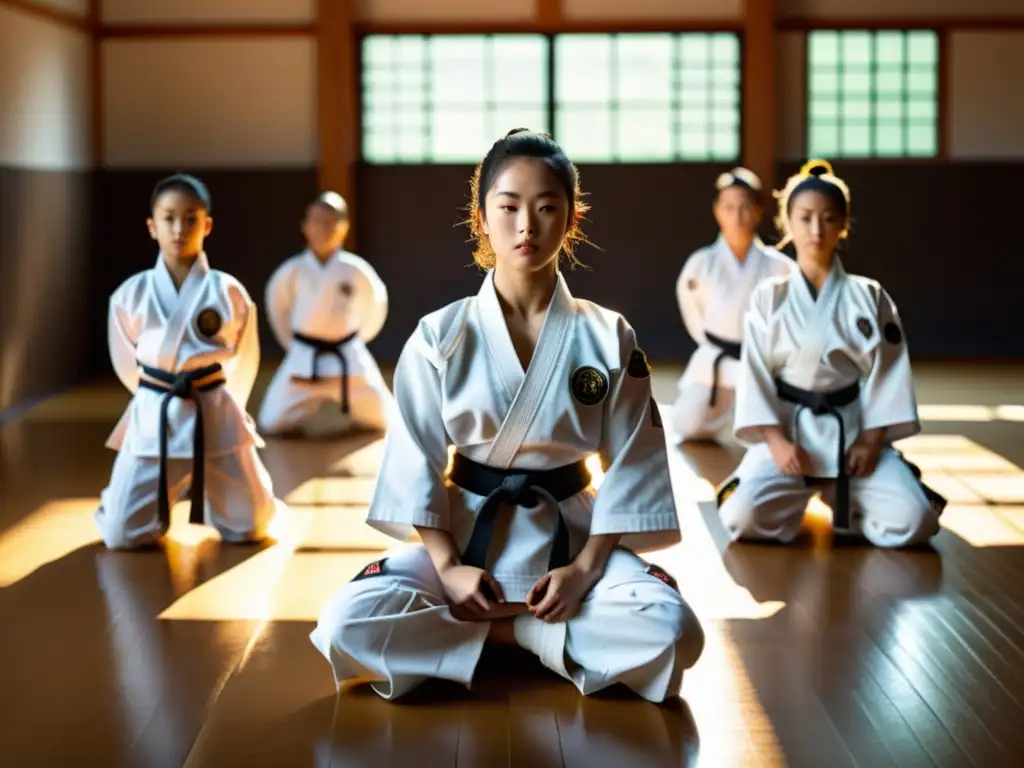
585 132
872 93
648 97
446 98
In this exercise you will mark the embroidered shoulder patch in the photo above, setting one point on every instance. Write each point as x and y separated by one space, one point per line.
638 367
589 386
692 284
864 326
892 333
208 322
376 568
662 575
655 414
727 490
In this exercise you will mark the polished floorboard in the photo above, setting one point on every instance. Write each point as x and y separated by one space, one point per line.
821 654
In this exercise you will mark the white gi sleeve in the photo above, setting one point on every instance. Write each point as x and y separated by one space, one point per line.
373 301
244 365
757 404
121 343
887 397
411 489
781 264
688 288
280 296
635 497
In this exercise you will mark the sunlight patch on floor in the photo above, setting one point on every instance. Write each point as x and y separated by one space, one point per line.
339 491
285 582
969 412
696 562
363 462
985 491
733 725
49 533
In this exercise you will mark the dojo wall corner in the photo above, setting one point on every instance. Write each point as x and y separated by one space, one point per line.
46 259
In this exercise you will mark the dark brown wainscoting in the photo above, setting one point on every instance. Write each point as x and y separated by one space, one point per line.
933 234
45 276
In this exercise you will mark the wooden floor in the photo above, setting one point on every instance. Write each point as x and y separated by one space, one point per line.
818 654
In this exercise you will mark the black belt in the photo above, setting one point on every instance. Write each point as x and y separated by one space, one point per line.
822 404
727 349
520 488
182 385
329 347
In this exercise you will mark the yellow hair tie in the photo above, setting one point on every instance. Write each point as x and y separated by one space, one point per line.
816 168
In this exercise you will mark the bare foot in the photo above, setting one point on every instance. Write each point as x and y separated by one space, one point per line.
502 632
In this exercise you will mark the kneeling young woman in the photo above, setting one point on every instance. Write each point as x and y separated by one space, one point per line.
825 389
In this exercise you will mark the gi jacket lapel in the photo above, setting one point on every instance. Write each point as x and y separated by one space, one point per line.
737 278
815 321
181 305
750 273
528 389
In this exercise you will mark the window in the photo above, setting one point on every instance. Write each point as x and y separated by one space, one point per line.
872 94
446 98
611 97
648 97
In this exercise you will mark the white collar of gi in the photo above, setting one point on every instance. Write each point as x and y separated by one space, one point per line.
561 300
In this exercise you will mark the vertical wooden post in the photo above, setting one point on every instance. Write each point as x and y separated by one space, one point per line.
549 15
759 91
338 121
96 122
945 74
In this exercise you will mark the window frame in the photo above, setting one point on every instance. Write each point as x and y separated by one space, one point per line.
940 100
551 105
615 105
428 104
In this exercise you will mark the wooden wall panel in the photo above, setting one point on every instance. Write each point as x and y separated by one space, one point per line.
986 100
463 11
45 247
210 102
78 8
636 10
138 12
923 10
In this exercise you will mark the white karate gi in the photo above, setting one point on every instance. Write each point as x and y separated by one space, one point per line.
211 320
851 334
713 291
340 299
459 383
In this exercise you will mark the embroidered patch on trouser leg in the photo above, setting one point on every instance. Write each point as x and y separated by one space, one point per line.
376 568
662 575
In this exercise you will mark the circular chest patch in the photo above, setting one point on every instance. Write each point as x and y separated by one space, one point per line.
589 385
864 326
892 332
208 322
